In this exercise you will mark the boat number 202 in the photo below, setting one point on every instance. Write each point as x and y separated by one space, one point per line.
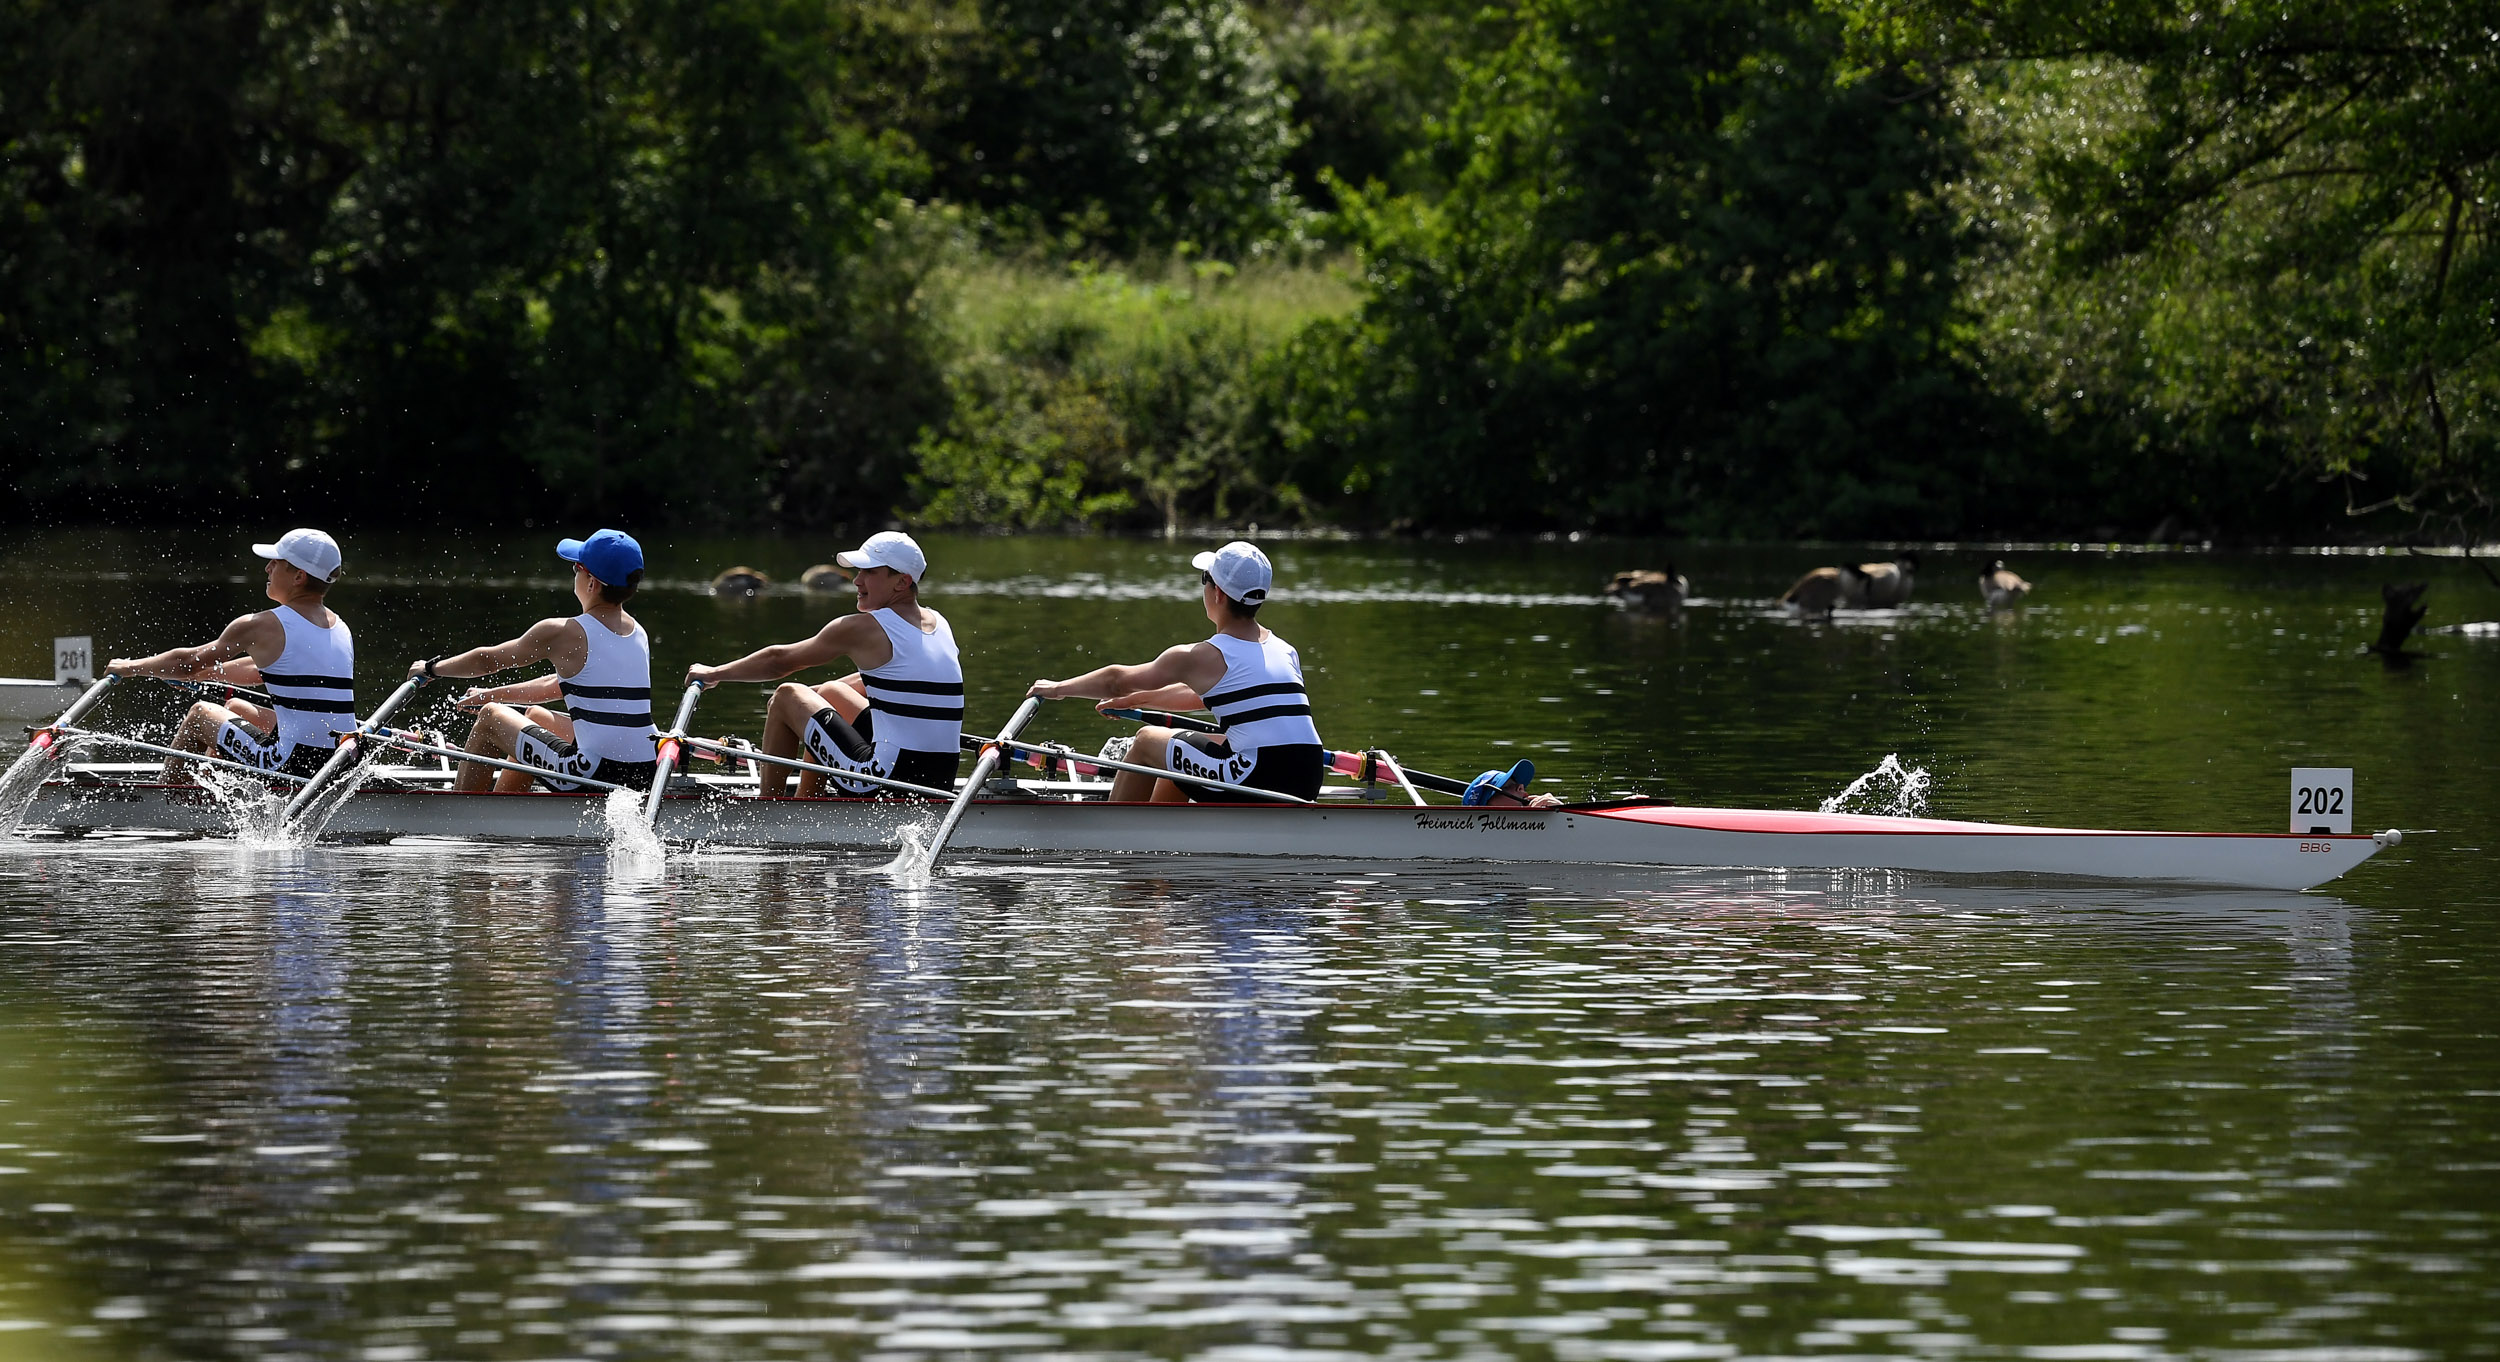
2321 799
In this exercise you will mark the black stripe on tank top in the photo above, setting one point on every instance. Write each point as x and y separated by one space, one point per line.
607 692
294 679
613 718
914 711
1253 693
914 687
1271 712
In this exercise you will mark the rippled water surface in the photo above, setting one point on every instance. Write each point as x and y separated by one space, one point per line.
443 1100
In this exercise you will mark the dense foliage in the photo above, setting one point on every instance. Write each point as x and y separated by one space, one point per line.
1770 267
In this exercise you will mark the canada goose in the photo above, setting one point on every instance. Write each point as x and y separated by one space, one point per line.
1888 584
825 577
741 581
1826 589
2001 588
1655 593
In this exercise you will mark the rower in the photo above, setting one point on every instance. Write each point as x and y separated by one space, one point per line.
901 715
602 669
1245 675
301 653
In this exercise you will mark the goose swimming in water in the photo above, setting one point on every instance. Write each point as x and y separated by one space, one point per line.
1888 584
2000 588
741 581
1826 589
1650 592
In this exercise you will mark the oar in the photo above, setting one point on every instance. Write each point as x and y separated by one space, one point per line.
750 754
1163 719
980 776
668 753
392 737
345 752
116 740
44 737
1070 754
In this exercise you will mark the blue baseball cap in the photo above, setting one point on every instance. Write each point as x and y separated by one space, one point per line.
1491 783
611 555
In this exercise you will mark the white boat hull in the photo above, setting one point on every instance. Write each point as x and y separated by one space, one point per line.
1642 834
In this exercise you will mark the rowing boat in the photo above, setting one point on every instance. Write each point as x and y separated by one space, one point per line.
1350 824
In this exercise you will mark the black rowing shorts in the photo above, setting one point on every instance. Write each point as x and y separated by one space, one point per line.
1286 768
565 765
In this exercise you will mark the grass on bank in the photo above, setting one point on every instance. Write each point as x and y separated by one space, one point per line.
1130 396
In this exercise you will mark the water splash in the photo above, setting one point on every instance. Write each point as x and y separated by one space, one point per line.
23 780
633 844
1891 789
326 803
910 866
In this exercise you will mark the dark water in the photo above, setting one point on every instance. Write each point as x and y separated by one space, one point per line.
442 1100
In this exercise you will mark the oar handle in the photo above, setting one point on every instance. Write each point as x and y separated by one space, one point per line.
670 746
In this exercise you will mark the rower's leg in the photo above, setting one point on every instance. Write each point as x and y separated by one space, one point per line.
1146 749
491 736
198 730
792 706
514 782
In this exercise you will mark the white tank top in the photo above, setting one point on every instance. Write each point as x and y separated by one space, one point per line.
610 697
1260 700
919 695
313 685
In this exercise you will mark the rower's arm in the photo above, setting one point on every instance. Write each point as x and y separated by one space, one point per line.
858 637
215 661
1180 698
538 645
1188 666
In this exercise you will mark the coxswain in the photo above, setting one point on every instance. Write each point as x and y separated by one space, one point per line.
300 653
900 716
602 670
1244 675
1508 789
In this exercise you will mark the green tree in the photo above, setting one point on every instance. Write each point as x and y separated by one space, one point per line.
2257 242
1127 125
1691 274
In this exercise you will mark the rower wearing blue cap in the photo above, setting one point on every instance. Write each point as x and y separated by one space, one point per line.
602 670
1507 789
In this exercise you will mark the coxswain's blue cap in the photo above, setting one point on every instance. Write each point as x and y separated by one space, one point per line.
1491 783
611 555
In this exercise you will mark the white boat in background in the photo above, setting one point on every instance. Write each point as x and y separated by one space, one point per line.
1350 823
26 699
23 699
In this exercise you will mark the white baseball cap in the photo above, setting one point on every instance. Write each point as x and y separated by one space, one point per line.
888 549
1240 570
311 550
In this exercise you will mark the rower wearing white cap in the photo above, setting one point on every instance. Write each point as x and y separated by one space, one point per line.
300 653
1245 675
901 715
602 670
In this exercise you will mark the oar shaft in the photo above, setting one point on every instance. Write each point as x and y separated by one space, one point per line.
345 752
1164 719
670 747
1070 754
77 710
117 740
389 737
981 770
750 754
